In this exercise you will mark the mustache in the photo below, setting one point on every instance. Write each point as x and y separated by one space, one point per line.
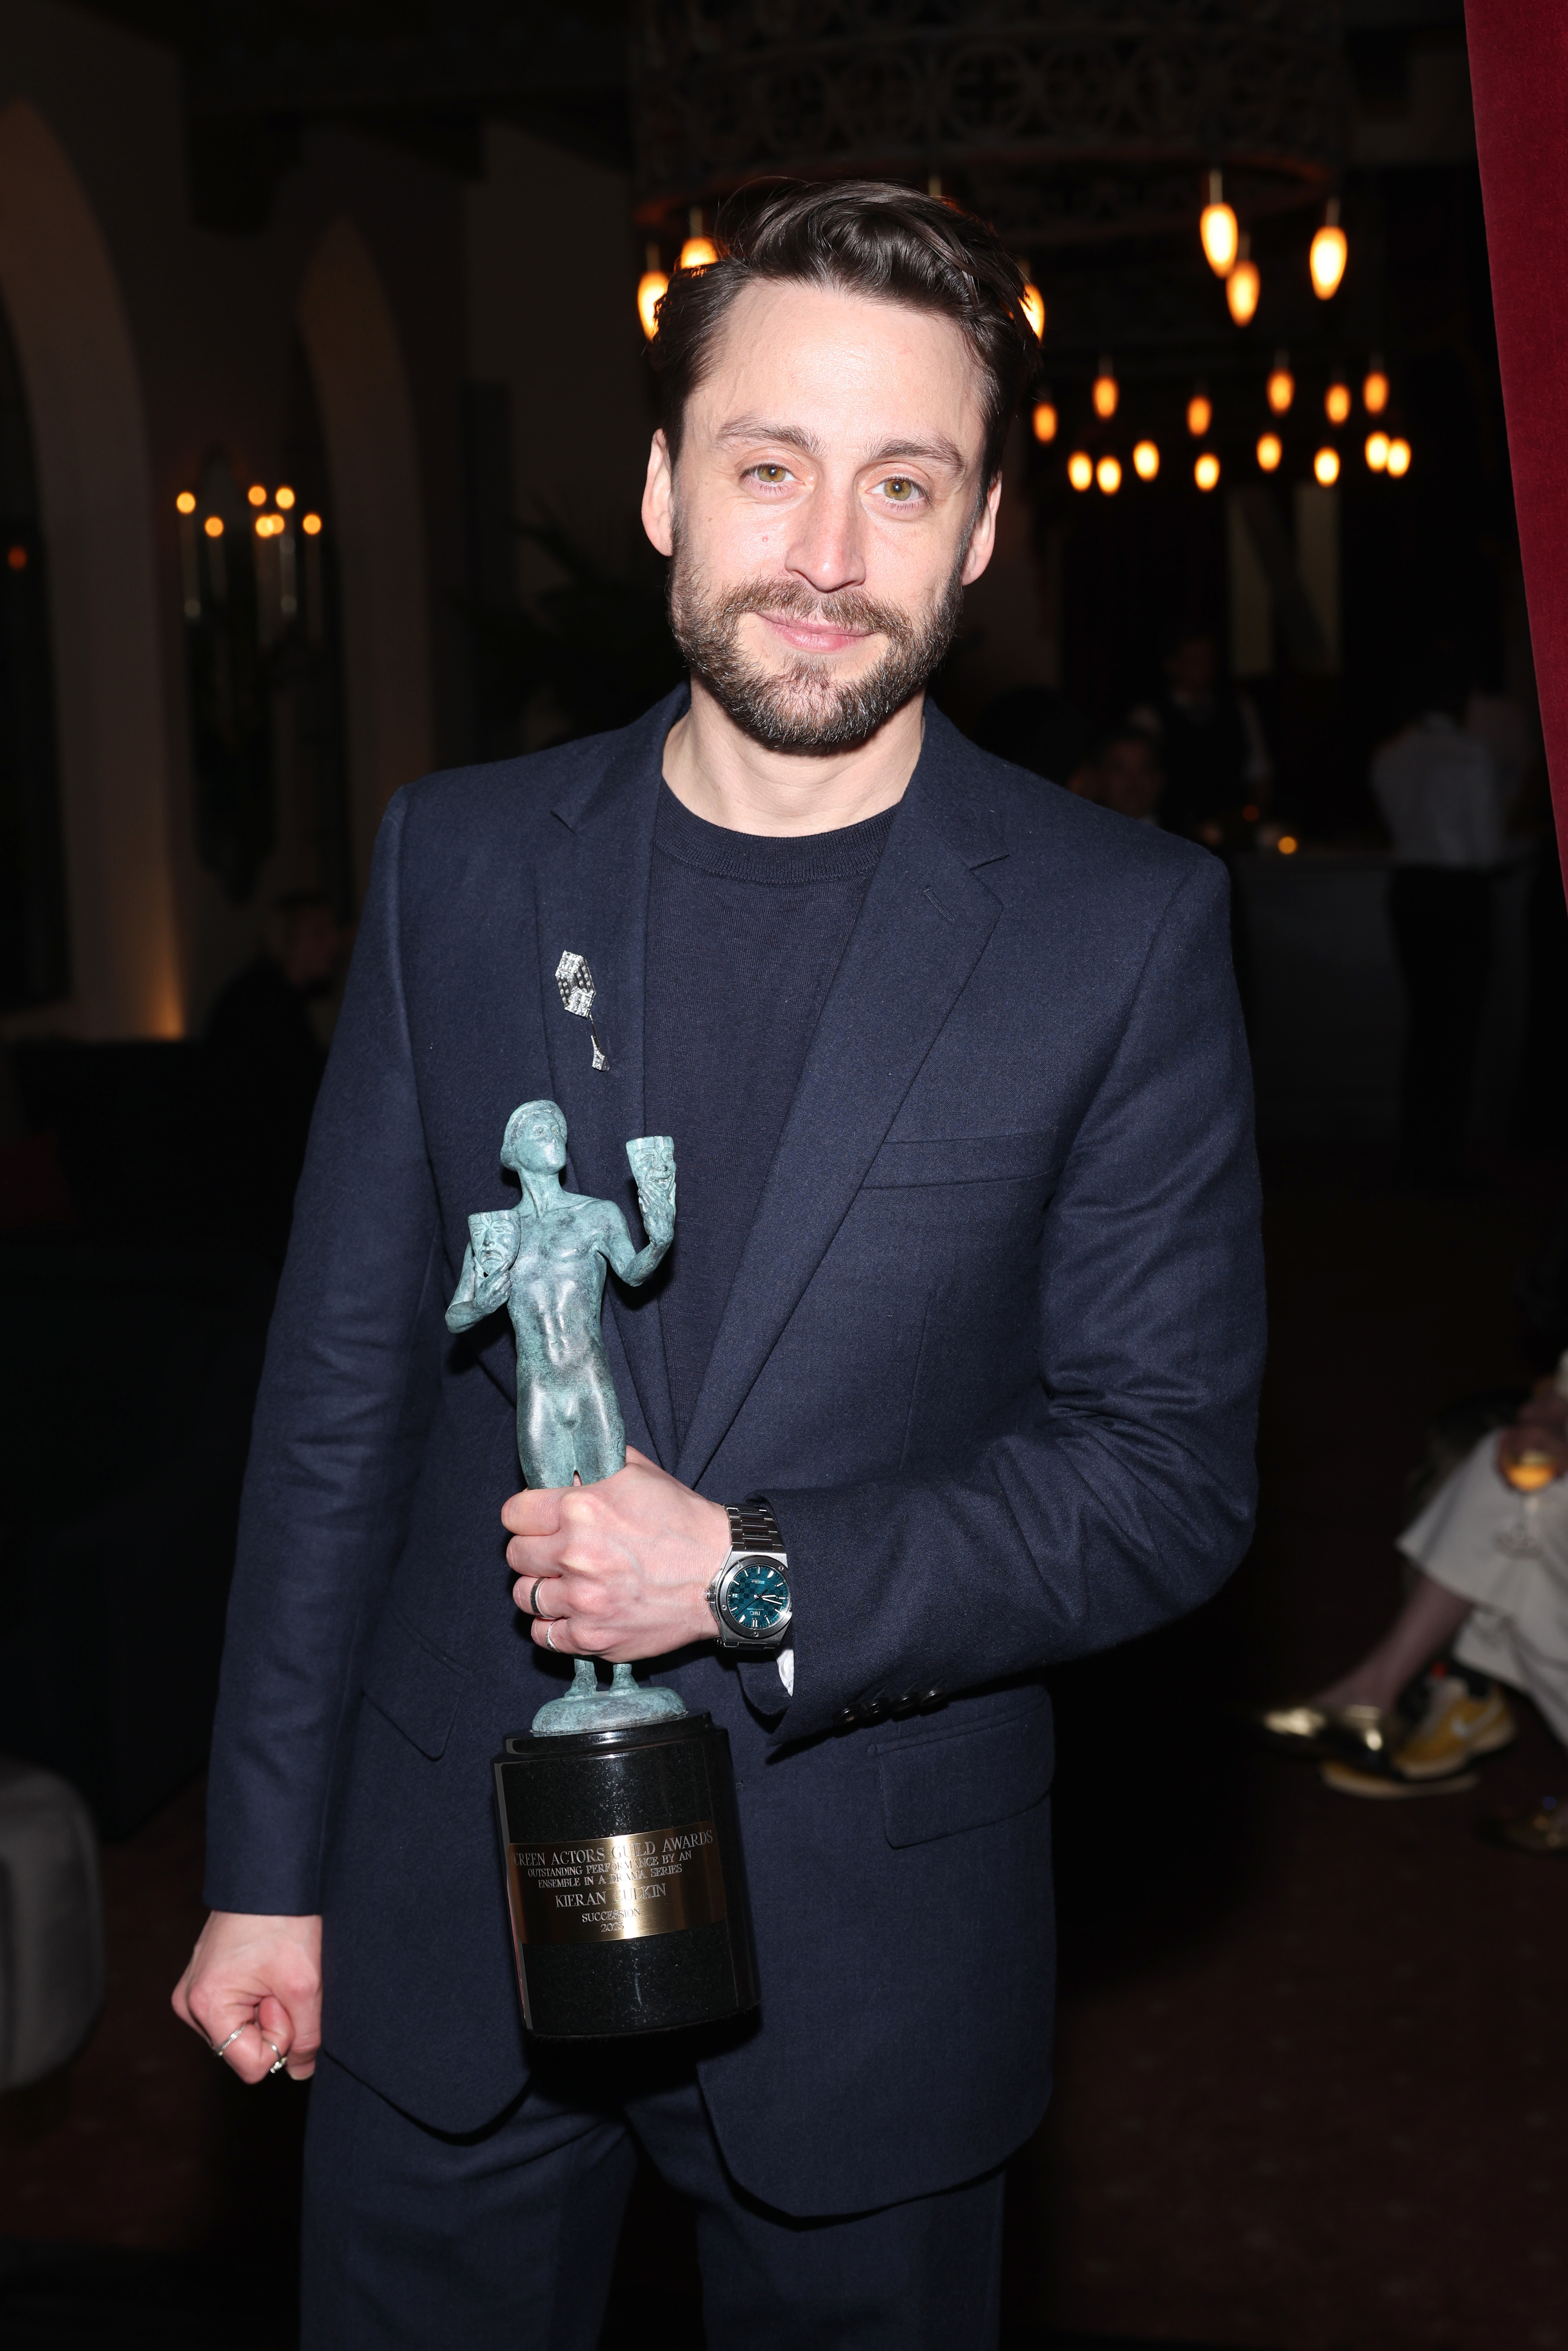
786 599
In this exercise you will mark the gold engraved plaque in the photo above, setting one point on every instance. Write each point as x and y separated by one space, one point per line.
611 1889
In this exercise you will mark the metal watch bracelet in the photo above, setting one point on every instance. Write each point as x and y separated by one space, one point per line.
753 1532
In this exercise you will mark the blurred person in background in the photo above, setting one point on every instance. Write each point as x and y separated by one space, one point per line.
1126 774
1211 745
1443 799
268 1056
1487 1606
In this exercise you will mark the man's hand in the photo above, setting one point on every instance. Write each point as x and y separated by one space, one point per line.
629 1562
261 1973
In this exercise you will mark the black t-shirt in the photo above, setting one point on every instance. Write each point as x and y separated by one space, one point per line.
744 933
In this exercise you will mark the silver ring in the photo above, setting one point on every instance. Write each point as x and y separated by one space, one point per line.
277 2054
549 1644
534 1608
219 2048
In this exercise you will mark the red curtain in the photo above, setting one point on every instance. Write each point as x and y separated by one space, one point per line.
1519 74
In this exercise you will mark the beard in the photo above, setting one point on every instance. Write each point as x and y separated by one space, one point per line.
804 708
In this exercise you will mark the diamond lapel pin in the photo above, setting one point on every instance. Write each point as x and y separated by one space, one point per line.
575 982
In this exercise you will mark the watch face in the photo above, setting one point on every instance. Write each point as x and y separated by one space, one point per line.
755 1598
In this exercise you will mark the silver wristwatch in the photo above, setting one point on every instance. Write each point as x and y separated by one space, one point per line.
749 1596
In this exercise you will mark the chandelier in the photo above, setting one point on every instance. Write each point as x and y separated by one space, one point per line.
1067 122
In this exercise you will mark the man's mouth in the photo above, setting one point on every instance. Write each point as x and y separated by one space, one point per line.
813 636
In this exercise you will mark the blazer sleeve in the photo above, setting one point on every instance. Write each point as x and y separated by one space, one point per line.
325 1497
1123 1494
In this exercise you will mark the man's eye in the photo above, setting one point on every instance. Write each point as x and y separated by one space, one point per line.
900 490
772 474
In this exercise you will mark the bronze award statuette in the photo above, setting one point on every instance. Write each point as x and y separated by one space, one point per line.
620 1834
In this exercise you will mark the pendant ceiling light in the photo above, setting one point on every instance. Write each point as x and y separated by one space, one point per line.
1281 385
1217 229
1329 252
1242 288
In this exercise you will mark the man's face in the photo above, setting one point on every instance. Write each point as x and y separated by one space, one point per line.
826 514
1191 668
1129 779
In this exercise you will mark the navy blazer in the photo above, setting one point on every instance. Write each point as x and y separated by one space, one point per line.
993 1354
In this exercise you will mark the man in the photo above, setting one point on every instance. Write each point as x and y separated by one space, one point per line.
1125 775
1439 793
1211 744
964 1286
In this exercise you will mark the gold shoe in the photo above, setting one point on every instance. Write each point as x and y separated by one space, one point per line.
1456 1729
1385 1786
1309 1730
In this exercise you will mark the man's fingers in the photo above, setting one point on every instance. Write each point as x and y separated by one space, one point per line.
534 1511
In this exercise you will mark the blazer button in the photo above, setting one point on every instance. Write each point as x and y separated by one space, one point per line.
935 1697
904 1703
848 1720
875 1710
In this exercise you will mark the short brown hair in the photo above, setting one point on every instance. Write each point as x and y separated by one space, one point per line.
858 237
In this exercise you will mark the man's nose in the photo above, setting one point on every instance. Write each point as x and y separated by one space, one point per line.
826 547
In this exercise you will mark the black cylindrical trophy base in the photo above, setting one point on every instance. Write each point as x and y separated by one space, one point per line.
621 1850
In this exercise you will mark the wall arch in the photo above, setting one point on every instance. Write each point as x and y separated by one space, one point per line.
372 455
95 491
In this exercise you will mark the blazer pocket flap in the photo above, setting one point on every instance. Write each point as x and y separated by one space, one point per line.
937 1785
416 1688
975 1159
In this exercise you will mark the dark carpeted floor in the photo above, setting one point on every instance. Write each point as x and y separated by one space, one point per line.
1311 2067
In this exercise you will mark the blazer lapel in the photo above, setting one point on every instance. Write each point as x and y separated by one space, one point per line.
591 900
921 931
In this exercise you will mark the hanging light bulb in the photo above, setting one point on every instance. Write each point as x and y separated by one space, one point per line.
652 288
1206 473
1377 448
698 250
1200 414
214 525
1217 227
285 498
256 495
1243 287
1108 473
1398 458
1146 461
1270 449
1374 390
185 502
1281 385
1325 465
1080 469
1329 252
1106 391
1032 304
1336 402
311 526
1045 420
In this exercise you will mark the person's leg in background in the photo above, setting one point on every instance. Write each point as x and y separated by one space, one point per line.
1441 918
921 2277
502 2241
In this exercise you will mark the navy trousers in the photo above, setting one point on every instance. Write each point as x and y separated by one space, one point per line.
503 2239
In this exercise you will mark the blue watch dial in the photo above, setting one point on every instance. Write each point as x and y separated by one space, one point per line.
756 1597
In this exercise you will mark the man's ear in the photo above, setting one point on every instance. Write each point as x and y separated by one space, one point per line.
659 495
983 537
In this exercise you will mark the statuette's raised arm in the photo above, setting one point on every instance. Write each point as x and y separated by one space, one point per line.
488 1262
653 1158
